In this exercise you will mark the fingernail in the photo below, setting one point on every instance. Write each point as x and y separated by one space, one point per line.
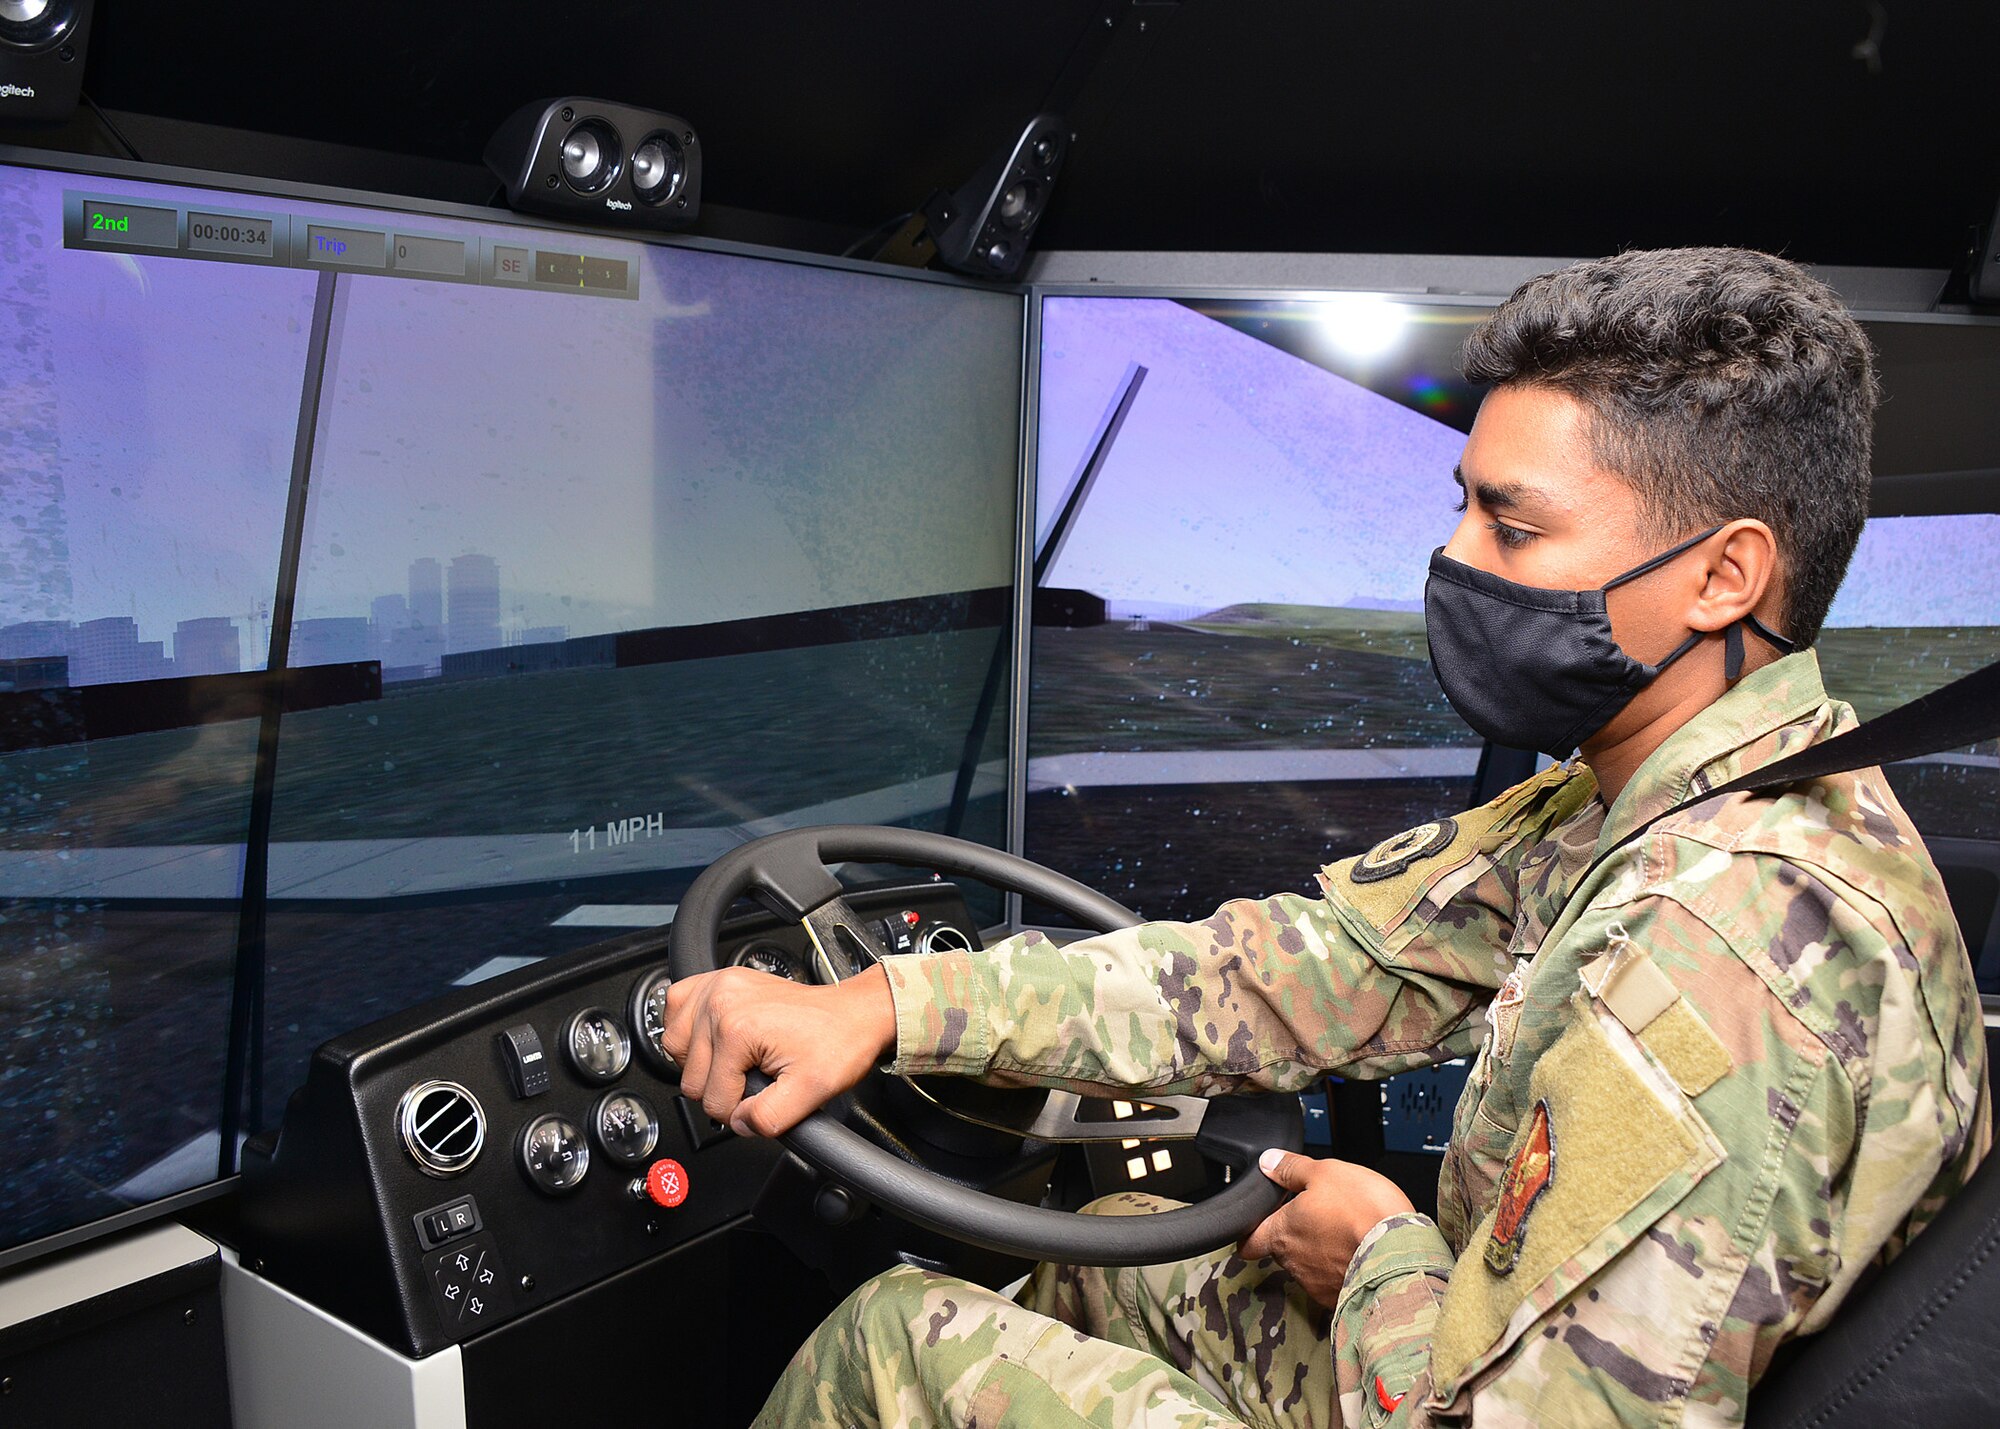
1270 1161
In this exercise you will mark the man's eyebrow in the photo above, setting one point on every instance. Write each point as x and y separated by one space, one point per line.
1496 495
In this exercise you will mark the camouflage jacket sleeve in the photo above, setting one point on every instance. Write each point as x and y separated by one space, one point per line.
1738 1093
1391 968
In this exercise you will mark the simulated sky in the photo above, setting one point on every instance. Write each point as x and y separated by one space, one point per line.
748 437
1244 473
150 405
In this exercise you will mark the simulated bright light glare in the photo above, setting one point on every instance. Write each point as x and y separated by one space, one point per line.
1360 324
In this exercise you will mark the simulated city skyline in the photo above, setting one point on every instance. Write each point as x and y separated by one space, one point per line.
746 438
447 609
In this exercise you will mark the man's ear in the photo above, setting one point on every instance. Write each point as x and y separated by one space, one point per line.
1740 578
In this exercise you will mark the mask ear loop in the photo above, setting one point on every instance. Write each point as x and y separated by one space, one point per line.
1732 635
1732 644
1694 639
1660 560
1784 645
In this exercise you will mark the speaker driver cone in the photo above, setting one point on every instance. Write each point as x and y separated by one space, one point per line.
658 168
35 24
590 156
1017 205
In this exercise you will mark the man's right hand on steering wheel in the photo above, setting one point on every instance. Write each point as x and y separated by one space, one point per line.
814 1042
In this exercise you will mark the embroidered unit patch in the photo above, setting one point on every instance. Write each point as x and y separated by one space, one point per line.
1528 1174
1387 1400
1392 856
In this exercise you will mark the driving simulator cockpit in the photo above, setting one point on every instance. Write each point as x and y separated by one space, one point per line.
430 629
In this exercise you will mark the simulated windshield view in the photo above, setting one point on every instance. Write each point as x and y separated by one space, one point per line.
590 586
1236 503
1230 679
644 578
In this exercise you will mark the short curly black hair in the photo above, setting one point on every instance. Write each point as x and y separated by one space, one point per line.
1722 383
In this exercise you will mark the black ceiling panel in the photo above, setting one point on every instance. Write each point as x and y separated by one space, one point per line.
1837 131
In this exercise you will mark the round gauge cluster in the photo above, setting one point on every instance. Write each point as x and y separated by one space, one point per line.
554 1154
768 958
598 1045
623 1126
649 1018
442 1125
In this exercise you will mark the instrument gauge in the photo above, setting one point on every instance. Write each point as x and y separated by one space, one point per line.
767 958
597 1044
554 1155
649 1020
625 1126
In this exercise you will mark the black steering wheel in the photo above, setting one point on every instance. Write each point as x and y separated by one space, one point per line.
790 872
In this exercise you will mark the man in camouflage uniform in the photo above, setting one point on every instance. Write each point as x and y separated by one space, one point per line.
1726 1059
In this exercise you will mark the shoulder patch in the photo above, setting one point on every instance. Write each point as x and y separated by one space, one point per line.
1393 855
1376 894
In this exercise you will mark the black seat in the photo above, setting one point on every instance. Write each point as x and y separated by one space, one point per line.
1919 1345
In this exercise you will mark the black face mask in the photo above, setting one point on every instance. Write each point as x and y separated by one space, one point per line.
1533 668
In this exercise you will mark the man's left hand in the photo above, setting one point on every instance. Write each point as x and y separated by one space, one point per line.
1315 1234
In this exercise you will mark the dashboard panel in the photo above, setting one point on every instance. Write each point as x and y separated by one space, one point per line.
464 1163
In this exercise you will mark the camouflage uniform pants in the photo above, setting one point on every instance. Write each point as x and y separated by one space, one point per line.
1198 1344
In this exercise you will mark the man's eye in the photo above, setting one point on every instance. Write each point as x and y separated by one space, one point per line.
1512 537
1459 505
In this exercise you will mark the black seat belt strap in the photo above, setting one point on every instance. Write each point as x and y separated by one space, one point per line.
1950 717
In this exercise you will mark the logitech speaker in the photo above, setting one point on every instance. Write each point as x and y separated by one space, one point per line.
599 162
983 228
41 57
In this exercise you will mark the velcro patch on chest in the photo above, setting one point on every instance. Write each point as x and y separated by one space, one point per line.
1628 983
1630 1146
1645 1000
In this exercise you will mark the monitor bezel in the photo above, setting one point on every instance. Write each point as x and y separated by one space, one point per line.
104 166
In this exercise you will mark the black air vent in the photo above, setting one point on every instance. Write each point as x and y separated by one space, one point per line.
944 938
442 1126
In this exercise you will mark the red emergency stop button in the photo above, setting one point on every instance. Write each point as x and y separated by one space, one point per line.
665 1184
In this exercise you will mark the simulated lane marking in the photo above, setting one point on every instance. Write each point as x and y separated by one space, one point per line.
1248 766
492 967
617 915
